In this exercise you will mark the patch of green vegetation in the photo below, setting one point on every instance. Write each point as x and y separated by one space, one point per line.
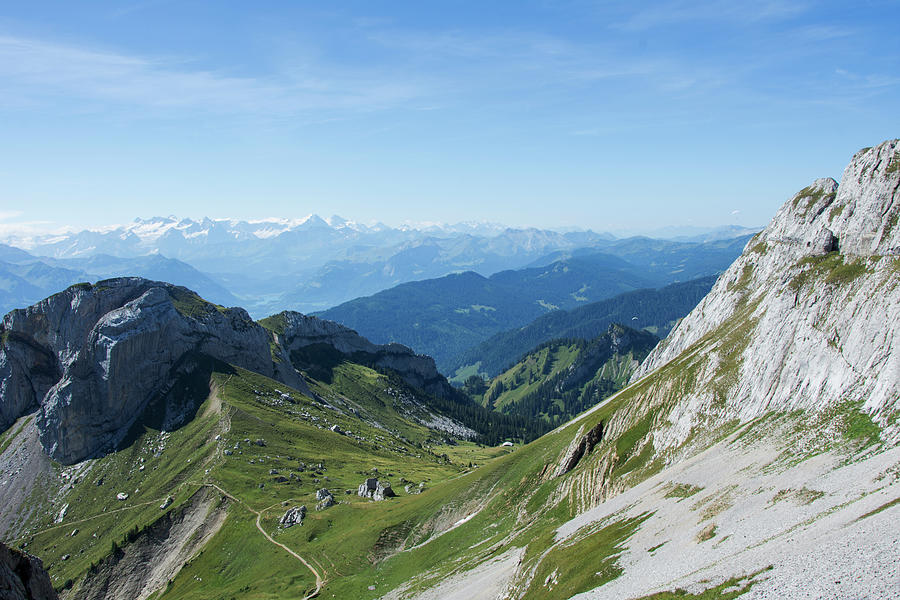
464 372
830 267
83 285
802 496
727 590
891 225
760 248
715 504
707 533
274 323
10 434
894 164
743 282
626 443
585 564
190 305
657 547
858 425
836 211
847 272
682 490
881 508
809 196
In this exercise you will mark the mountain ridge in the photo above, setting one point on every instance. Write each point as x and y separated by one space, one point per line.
90 359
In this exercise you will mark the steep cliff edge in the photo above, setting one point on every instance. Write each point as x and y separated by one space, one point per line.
91 359
22 577
807 317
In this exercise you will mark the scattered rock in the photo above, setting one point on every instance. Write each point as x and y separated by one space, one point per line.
62 514
121 496
74 533
260 442
167 503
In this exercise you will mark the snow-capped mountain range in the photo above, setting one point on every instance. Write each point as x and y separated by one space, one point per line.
310 263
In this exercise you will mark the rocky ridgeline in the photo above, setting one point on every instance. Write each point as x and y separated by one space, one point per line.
91 358
806 318
298 331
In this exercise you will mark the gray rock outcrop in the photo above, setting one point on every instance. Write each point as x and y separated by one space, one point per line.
375 489
806 318
293 516
325 498
22 577
93 356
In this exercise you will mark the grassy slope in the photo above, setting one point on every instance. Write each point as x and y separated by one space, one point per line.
353 544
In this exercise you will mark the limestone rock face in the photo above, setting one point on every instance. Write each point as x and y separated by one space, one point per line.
92 357
807 317
22 577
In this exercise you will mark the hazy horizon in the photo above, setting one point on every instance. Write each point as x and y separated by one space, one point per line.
21 234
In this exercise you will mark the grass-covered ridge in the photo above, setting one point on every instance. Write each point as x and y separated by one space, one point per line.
562 378
190 304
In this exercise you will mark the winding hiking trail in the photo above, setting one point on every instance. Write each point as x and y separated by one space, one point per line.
320 582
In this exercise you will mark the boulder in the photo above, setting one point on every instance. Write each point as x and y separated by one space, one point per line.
326 503
823 243
293 516
375 489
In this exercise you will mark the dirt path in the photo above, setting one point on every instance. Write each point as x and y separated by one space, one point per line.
320 582
97 516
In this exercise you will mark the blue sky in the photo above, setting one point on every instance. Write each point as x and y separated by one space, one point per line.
609 115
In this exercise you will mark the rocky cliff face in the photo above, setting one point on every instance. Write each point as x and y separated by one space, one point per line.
92 358
807 317
22 577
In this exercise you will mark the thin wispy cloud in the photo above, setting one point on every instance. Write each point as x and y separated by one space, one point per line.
691 11
39 70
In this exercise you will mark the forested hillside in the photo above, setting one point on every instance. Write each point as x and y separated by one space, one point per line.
657 311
